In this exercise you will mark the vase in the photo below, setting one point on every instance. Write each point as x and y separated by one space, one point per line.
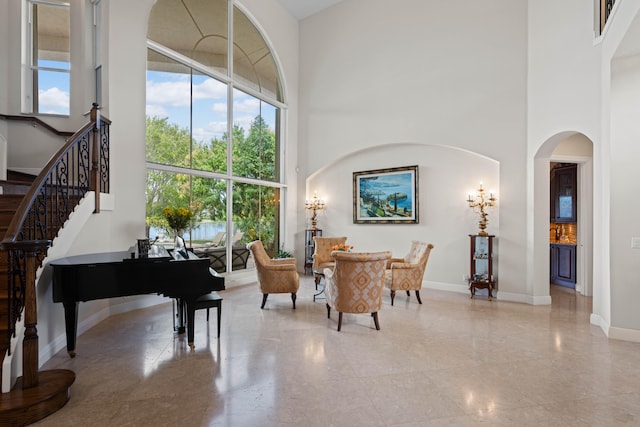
178 243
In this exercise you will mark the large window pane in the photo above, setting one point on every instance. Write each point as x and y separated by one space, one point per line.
209 123
255 148
53 88
168 111
209 204
165 189
256 213
209 236
50 58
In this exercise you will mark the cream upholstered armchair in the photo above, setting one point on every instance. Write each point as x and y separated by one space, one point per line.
405 274
275 276
322 253
355 284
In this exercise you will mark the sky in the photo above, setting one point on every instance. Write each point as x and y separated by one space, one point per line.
168 95
53 88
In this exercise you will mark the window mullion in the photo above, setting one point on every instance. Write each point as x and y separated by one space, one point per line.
230 230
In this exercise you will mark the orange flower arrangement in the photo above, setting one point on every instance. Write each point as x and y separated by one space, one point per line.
342 247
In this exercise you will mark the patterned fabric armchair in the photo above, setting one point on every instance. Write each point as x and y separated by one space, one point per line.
275 276
405 274
355 284
322 254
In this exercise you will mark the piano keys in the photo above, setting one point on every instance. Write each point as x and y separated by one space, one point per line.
115 274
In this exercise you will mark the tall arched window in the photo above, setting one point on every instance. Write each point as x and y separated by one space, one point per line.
214 103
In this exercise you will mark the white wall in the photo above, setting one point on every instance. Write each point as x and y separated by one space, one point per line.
625 205
4 64
575 145
3 159
563 99
451 73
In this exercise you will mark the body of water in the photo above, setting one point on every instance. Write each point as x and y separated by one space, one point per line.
201 231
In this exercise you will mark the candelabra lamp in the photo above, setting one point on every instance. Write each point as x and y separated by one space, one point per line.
314 205
479 204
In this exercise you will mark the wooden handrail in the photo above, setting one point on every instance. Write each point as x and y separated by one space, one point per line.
36 190
36 121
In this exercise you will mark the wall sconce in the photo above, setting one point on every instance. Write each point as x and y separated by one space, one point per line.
478 204
314 205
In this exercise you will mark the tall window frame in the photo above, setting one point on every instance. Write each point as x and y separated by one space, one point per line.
53 69
266 190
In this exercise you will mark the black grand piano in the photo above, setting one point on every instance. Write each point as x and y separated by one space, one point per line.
116 274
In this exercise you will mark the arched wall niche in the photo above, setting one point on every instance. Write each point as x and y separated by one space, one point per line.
446 175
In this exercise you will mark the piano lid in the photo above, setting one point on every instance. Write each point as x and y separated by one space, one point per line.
158 253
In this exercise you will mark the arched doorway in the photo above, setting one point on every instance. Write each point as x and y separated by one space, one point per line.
570 148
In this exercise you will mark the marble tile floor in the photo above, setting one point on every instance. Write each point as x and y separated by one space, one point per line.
451 361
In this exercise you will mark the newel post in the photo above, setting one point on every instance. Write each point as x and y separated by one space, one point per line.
95 155
31 250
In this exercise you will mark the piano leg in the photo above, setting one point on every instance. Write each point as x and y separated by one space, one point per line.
71 325
191 315
179 314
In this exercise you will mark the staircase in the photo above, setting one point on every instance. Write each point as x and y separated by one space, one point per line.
14 189
8 205
31 216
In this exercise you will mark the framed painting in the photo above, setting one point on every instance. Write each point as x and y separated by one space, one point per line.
386 196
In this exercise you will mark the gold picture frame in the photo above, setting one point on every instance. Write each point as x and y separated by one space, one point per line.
386 196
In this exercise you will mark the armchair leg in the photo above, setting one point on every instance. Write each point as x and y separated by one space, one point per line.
264 300
408 293
293 298
393 295
339 320
375 320
328 311
418 296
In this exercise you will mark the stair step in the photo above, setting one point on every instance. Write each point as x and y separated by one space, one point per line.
10 201
6 215
14 187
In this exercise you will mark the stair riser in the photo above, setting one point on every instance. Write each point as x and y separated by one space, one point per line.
9 204
6 216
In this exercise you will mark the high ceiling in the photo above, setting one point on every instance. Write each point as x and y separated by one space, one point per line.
303 8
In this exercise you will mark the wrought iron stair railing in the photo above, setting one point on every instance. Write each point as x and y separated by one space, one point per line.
80 166
605 10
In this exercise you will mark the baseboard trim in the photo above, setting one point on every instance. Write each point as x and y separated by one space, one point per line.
623 334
